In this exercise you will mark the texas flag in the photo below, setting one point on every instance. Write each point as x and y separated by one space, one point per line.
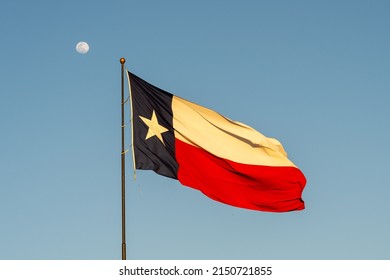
226 160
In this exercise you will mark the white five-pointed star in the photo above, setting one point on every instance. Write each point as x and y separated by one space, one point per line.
155 129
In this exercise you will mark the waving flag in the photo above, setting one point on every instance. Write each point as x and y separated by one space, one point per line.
226 160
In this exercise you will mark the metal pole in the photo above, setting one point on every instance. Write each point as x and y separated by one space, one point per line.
122 61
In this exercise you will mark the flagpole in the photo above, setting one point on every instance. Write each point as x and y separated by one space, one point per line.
122 61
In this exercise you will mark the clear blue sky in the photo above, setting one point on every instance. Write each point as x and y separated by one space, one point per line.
313 74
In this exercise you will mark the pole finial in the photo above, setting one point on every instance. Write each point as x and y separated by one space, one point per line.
122 60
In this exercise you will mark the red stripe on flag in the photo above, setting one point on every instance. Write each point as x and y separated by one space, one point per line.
264 188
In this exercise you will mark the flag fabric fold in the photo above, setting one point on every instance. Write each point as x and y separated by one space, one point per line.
226 160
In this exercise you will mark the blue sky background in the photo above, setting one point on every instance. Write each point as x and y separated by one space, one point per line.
313 74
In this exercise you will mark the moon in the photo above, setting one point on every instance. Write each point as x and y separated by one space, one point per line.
82 47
